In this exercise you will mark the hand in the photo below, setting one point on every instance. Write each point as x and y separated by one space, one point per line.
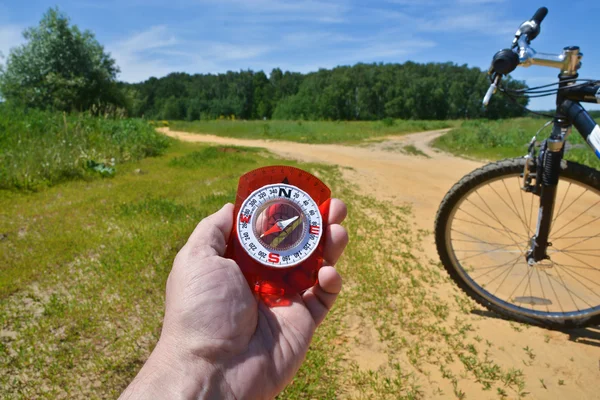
218 340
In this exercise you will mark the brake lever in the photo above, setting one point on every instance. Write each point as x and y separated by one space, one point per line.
493 88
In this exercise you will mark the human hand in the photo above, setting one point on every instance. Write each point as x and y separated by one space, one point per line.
218 339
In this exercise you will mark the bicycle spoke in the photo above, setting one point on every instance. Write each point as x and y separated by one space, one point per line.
579 267
557 214
584 277
541 287
496 217
469 236
479 241
573 202
480 224
501 231
494 267
527 226
485 252
578 253
582 284
500 274
554 291
508 231
576 218
506 276
531 211
576 295
575 258
507 205
568 291
519 285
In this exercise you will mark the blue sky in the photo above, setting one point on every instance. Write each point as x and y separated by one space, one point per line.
156 37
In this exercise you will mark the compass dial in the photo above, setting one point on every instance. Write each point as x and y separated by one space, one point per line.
279 225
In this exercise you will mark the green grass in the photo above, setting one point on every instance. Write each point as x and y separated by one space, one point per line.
309 131
494 140
83 267
39 149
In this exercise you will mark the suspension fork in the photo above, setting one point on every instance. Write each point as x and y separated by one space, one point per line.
548 171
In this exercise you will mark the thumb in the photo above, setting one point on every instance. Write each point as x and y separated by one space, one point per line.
212 233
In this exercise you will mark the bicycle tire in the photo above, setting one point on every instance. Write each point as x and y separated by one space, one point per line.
495 172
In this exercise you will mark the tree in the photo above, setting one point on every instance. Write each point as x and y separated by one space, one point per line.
60 68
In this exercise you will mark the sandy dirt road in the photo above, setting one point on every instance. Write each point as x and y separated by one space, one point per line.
384 171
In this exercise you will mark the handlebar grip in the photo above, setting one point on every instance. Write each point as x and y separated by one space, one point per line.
539 15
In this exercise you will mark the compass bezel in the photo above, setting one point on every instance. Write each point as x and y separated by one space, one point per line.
285 193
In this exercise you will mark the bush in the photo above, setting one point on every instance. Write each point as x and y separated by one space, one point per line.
388 121
41 148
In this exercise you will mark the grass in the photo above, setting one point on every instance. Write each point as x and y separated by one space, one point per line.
83 267
309 131
494 140
39 149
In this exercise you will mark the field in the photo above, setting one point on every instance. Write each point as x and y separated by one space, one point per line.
83 266
309 131
494 140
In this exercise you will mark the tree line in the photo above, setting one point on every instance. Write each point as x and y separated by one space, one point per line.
63 68
359 92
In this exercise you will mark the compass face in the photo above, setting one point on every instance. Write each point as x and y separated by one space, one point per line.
279 225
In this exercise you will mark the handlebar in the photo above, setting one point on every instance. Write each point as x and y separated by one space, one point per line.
507 60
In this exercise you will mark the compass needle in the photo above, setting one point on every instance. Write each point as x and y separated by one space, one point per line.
279 226
286 232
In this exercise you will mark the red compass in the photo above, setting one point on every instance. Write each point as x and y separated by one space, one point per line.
279 229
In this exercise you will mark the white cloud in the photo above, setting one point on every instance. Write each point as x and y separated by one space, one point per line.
154 38
132 56
10 36
158 52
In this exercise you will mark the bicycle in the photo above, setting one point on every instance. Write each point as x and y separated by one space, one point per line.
536 268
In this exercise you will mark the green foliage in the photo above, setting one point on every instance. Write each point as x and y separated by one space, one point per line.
60 68
42 148
309 131
493 140
360 92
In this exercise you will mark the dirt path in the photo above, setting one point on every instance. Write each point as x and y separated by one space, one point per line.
385 171
380 168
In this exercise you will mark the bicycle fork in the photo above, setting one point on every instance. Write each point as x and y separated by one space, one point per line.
547 170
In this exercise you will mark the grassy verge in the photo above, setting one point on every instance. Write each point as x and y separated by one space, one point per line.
310 131
40 149
493 140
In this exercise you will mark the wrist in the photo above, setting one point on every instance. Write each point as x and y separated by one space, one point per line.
170 374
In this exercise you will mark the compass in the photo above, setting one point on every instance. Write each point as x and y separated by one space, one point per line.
277 239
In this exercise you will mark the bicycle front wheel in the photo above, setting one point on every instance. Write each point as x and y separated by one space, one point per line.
483 231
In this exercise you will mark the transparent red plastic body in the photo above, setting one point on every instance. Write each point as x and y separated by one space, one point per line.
280 281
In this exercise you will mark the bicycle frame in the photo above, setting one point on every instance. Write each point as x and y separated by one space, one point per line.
568 113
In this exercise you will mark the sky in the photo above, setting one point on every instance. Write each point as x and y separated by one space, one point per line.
156 37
